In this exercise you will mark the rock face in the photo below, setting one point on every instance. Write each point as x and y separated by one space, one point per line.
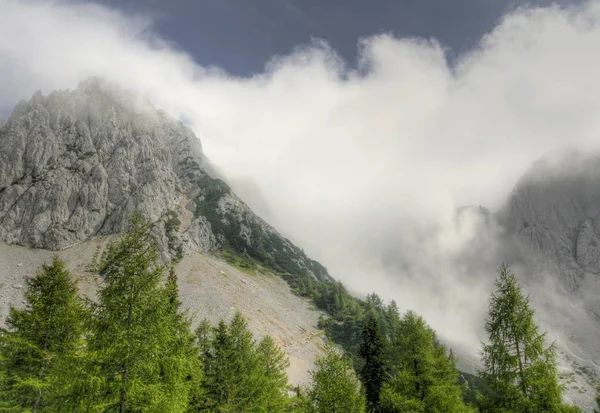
76 163
555 209
553 218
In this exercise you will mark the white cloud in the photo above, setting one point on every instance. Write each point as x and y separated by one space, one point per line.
363 168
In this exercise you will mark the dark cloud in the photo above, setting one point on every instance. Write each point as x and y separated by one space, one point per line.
242 35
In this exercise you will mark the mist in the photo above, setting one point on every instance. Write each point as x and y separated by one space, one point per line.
363 167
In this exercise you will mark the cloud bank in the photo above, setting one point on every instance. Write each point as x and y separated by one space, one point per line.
363 167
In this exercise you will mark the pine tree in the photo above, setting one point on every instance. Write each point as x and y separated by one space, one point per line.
519 368
372 350
597 409
41 341
424 376
335 388
133 364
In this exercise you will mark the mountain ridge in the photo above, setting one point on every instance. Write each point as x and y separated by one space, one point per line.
74 164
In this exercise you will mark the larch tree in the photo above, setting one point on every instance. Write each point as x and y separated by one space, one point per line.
41 341
180 370
518 366
133 363
424 377
335 387
239 374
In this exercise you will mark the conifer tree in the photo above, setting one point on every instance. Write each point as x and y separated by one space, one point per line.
180 369
133 361
273 362
239 374
41 341
372 350
335 387
424 376
597 409
518 366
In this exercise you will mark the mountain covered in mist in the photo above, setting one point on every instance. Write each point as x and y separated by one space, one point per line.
75 164
555 209
551 224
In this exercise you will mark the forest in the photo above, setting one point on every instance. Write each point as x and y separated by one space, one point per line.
134 350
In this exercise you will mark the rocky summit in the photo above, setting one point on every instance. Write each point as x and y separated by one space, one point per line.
555 210
76 163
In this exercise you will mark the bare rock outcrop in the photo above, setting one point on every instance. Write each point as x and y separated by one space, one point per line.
76 163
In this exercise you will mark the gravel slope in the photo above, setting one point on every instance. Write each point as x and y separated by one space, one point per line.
209 287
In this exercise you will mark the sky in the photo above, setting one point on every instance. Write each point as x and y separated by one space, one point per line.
357 132
240 36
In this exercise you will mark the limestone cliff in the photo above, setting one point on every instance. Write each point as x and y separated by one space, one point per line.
76 163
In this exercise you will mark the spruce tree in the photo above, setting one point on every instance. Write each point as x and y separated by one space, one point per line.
134 364
518 366
41 341
372 350
424 377
335 387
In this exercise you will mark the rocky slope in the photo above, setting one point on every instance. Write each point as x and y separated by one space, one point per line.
553 217
555 208
76 163
209 288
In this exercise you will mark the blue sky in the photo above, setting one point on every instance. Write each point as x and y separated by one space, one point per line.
240 36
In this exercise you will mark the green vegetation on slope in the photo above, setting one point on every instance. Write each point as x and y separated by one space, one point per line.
240 231
133 351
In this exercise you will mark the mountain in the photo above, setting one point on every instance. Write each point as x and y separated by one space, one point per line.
76 163
553 217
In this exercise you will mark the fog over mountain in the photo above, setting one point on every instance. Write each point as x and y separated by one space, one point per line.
364 167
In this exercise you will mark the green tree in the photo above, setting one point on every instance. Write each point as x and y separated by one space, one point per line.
372 350
239 374
518 366
597 409
180 367
273 363
424 376
134 364
335 387
41 341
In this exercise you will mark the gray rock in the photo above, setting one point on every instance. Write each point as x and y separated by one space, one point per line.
555 209
76 163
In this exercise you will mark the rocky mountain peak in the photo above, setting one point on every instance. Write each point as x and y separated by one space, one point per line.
555 209
76 163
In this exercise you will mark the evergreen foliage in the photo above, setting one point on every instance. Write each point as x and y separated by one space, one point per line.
41 342
518 366
133 350
424 377
335 388
597 409
240 375
372 350
140 356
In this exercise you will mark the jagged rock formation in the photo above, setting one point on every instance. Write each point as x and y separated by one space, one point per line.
76 163
555 209
553 218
